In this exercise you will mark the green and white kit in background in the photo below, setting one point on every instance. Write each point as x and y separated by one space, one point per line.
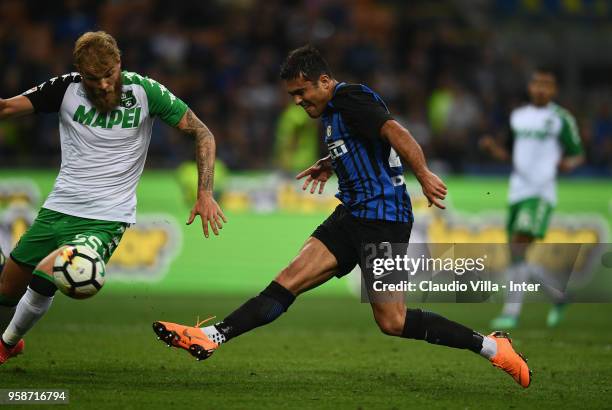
542 136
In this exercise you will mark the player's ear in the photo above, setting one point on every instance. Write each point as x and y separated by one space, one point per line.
325 81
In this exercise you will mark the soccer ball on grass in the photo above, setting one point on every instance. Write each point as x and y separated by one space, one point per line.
79 272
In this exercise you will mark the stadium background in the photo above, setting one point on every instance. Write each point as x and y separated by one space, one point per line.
451 71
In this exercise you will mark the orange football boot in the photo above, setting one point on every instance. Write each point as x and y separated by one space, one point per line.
510 361
190 338
6 353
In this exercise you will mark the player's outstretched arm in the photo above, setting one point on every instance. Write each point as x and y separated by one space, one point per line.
15 107
489 145
318 174
205 205
412 154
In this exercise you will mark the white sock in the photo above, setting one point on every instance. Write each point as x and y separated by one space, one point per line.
6 314
552 286
31 307
489 347
512 309
213 334
518 273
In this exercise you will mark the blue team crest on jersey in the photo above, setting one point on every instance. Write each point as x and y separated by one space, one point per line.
329 131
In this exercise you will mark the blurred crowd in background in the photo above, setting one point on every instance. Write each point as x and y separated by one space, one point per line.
451 71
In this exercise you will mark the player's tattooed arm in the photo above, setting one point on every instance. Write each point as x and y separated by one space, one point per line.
205 205
410 151
15 107
205 149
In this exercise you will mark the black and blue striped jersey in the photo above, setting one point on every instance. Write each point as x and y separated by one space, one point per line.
370 174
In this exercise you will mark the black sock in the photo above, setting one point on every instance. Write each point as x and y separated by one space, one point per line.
435 329
257 311
44 286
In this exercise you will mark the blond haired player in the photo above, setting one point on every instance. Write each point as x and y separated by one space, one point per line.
105 121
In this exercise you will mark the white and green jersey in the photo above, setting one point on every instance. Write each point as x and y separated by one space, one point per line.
103 154
542 135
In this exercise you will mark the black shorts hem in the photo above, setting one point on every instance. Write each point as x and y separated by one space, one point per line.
344 266
345 235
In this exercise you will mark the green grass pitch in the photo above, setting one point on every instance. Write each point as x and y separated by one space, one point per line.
324 353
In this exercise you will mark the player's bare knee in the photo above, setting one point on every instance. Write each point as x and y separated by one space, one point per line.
291 279
42 280
390 324
46 264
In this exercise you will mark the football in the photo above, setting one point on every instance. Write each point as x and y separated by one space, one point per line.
79 272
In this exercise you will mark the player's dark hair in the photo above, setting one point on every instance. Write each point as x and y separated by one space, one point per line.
547 70
305 61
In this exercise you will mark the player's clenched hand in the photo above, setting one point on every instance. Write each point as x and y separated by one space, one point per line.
318 174
433 189
209 212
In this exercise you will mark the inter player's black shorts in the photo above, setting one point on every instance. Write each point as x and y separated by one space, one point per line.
345 234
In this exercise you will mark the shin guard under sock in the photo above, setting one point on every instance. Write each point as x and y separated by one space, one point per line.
257 311
435 329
